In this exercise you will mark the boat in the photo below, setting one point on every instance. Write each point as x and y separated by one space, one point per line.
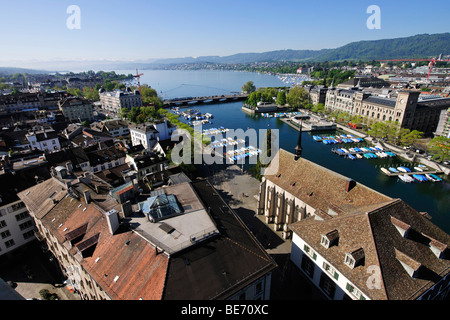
430 178
386 171
418 169
359 156
404 169
419 177
351 157
437 178
406 178
394 170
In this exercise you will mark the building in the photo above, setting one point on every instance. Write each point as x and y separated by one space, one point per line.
364 82
16 225
182 243
116 128
149 165
44 140
406 109
113 102
148 134
103 156
443 128
353 242
76 109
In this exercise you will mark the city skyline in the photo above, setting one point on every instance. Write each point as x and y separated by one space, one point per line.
147 30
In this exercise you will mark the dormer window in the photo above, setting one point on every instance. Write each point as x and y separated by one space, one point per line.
330 239
355 258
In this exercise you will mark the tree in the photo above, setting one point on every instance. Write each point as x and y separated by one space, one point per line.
281 98
249 87
297 97
440 148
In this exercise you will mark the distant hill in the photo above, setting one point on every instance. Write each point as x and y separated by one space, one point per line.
423 45
13 70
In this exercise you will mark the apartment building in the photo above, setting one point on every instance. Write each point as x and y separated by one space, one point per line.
350 241
112 102
76 109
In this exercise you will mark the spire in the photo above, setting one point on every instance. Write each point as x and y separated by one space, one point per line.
332 85
298 148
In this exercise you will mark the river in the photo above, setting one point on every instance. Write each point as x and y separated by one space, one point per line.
425 197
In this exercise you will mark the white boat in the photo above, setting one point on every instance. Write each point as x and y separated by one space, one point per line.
430 178
418 169
359 156
386 171
406 178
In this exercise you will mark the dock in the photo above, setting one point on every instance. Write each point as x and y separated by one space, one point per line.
396 174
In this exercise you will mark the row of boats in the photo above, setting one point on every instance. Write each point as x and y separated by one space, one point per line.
226 142
364 152
280 114
349 138
242 153
413 176
215 131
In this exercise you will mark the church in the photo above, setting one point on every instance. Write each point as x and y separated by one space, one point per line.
351 241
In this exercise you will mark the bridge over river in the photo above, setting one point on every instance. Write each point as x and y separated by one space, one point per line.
196 100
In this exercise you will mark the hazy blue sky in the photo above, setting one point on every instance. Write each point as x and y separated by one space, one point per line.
142 29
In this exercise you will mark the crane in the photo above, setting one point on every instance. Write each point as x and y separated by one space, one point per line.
431 65
138 77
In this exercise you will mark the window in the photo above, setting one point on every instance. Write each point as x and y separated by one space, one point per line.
328 268
307 266
310 252
9 243
325 242
349 260
2 224
25 225
354 292
327 285
22 216
28 234
5 234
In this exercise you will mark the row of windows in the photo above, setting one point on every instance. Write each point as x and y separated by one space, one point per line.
27 235
14 207
327 285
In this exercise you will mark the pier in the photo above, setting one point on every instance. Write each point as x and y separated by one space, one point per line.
209 99
396 174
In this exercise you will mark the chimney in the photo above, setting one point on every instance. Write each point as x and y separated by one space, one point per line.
126 209
69 167
87 177
112 218
349 185
87 196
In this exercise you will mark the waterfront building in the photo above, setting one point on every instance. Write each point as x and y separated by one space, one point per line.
181 243
76 109
112 102
353 242
406 109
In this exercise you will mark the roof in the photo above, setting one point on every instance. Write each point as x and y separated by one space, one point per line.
381 101
222 265
320 187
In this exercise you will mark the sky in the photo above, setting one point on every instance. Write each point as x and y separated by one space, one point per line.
37 30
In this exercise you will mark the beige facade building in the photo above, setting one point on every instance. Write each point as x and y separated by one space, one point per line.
407 108
76 109
113 102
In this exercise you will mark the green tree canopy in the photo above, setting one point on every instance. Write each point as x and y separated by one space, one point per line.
440 148
249 87
297 97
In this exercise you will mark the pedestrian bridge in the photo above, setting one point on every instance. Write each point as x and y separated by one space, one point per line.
209 99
